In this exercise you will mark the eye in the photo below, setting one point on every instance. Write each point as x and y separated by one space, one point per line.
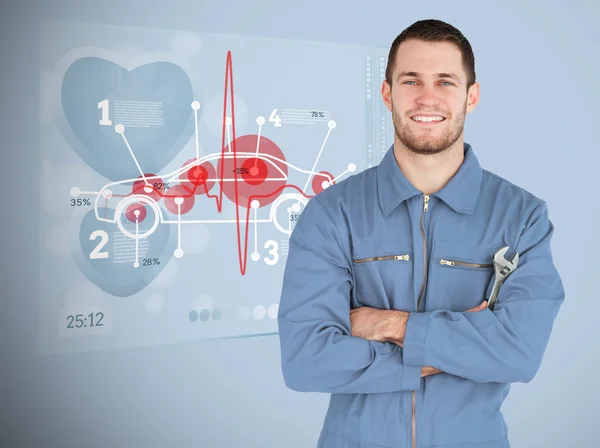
443 82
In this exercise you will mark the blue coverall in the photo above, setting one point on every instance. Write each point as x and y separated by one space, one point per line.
375 240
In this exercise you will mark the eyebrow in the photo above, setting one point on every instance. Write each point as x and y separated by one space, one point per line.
438 75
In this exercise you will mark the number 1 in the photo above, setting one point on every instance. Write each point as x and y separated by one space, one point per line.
104 106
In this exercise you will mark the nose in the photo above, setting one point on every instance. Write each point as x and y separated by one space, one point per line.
427 96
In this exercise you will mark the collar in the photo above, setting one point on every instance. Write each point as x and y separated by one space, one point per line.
460 193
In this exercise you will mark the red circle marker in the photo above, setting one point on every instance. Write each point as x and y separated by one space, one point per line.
139 187
319 178
198 175
270 177
130 212
201 178
254 171
182 192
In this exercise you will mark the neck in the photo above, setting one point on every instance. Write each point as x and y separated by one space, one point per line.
429 172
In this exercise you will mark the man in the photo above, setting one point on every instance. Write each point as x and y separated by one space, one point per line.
384 294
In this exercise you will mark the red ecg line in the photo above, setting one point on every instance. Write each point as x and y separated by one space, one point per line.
242 256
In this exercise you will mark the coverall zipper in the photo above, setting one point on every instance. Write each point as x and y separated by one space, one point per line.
404 257
445 262
414 394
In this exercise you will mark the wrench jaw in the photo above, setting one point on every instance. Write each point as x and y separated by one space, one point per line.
502 268
510 266
499 256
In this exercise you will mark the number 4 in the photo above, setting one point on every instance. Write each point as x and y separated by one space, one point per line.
275 118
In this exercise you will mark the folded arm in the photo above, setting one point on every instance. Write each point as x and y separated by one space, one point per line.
504 345
318 351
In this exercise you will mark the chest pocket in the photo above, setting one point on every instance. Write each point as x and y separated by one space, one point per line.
383 273
461 275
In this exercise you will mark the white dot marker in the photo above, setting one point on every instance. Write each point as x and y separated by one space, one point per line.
331 124
148 188
325 184
136 264
178 253
136 212
75 192
119 129
254 204
178 200
296 207
258 312
228 121
107 193
255 256
351 167
260 120
195 105
273 310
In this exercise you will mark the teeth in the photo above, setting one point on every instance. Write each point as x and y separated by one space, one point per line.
427 119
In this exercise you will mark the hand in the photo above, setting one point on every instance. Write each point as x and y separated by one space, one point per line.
378 325
479 307
389 326
428 370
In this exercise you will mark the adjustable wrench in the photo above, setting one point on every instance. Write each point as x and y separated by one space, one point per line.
502 269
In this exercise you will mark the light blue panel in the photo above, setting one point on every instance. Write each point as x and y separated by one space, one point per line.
113 115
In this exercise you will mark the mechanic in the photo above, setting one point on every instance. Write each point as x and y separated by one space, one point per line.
384 303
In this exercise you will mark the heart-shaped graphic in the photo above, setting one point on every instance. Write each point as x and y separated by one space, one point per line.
109 258
151 105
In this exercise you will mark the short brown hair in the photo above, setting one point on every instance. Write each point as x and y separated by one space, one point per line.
432 30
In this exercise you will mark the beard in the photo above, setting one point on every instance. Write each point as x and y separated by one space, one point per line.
429 140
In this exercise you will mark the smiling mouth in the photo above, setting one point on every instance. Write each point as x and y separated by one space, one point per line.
428 119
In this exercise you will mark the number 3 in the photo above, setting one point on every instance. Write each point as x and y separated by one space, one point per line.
273 252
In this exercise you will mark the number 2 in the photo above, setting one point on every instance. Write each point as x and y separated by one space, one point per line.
96 254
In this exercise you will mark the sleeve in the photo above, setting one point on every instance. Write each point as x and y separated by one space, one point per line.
318 351
507 344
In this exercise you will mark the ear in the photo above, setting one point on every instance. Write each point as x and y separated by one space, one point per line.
386 94
473 97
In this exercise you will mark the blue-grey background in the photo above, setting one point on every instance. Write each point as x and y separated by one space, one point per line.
535 125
